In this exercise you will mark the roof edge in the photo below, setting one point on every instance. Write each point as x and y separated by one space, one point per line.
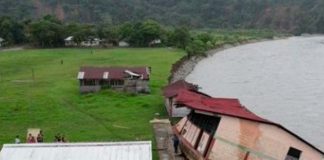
78 144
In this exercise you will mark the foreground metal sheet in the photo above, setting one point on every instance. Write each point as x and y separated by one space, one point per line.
78 151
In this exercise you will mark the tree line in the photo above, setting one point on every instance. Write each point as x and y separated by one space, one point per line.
49 32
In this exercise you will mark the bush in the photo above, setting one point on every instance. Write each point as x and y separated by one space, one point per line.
196 47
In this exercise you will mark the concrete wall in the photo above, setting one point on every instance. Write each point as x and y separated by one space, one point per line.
142 86
130 86
236 137
137 86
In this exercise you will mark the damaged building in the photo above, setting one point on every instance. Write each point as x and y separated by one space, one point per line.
128 79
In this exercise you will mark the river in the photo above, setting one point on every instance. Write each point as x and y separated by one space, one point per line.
280 80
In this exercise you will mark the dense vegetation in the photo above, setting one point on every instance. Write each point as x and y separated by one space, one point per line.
285 15
51 32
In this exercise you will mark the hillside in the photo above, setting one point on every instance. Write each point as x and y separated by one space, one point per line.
284 15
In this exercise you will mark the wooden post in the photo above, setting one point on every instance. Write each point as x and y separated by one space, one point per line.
33 74
247 155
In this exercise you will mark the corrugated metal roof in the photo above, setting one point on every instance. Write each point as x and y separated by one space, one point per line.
172 89
78 151
114 72
226 106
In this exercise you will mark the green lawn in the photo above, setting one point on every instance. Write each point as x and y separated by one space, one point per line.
53 103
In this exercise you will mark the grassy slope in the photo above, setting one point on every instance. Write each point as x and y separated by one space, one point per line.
54 104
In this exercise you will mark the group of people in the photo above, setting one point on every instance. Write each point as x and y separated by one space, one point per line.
60 138
40 138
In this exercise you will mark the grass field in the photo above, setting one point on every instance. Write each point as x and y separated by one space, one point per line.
53 103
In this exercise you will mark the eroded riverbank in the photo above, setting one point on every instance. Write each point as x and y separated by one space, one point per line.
280 80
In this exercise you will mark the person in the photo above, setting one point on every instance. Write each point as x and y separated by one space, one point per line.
57 138
17 140
175 140
40 137
64 139
31 139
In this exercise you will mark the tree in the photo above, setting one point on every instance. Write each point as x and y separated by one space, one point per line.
108 33
47 32
140 34
83 33
196 47
180 37
150 30
204 37
12 31
125 30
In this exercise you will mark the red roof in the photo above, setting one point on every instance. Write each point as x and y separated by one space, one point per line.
114 72
172 89
225 106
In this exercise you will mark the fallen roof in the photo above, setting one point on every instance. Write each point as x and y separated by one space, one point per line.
114 72
226 106
172 89
78 151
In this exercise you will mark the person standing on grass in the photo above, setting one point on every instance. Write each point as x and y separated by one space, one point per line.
64 140
175 140
58 138
31 139
17 140
40 137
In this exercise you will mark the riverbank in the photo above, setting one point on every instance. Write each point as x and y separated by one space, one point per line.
279 80
182 68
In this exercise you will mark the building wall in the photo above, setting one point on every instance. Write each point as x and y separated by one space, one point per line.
142 86
236 137
131 86
137 86
89 89
175 111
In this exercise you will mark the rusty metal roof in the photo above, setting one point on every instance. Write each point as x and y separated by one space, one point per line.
118 73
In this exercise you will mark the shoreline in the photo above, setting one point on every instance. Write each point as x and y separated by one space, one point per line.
183 67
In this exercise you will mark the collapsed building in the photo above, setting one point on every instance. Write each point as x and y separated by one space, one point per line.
222 128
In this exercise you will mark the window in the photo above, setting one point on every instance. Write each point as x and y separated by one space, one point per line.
117 83
293 154
89 82
208 124
206 128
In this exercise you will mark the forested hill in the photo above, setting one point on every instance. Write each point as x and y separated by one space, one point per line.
286 15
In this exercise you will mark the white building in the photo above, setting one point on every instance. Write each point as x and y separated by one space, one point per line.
89 42
78 151
155 42
69 41
123 44
1 41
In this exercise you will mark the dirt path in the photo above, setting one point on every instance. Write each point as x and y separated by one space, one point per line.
11 49
163 135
